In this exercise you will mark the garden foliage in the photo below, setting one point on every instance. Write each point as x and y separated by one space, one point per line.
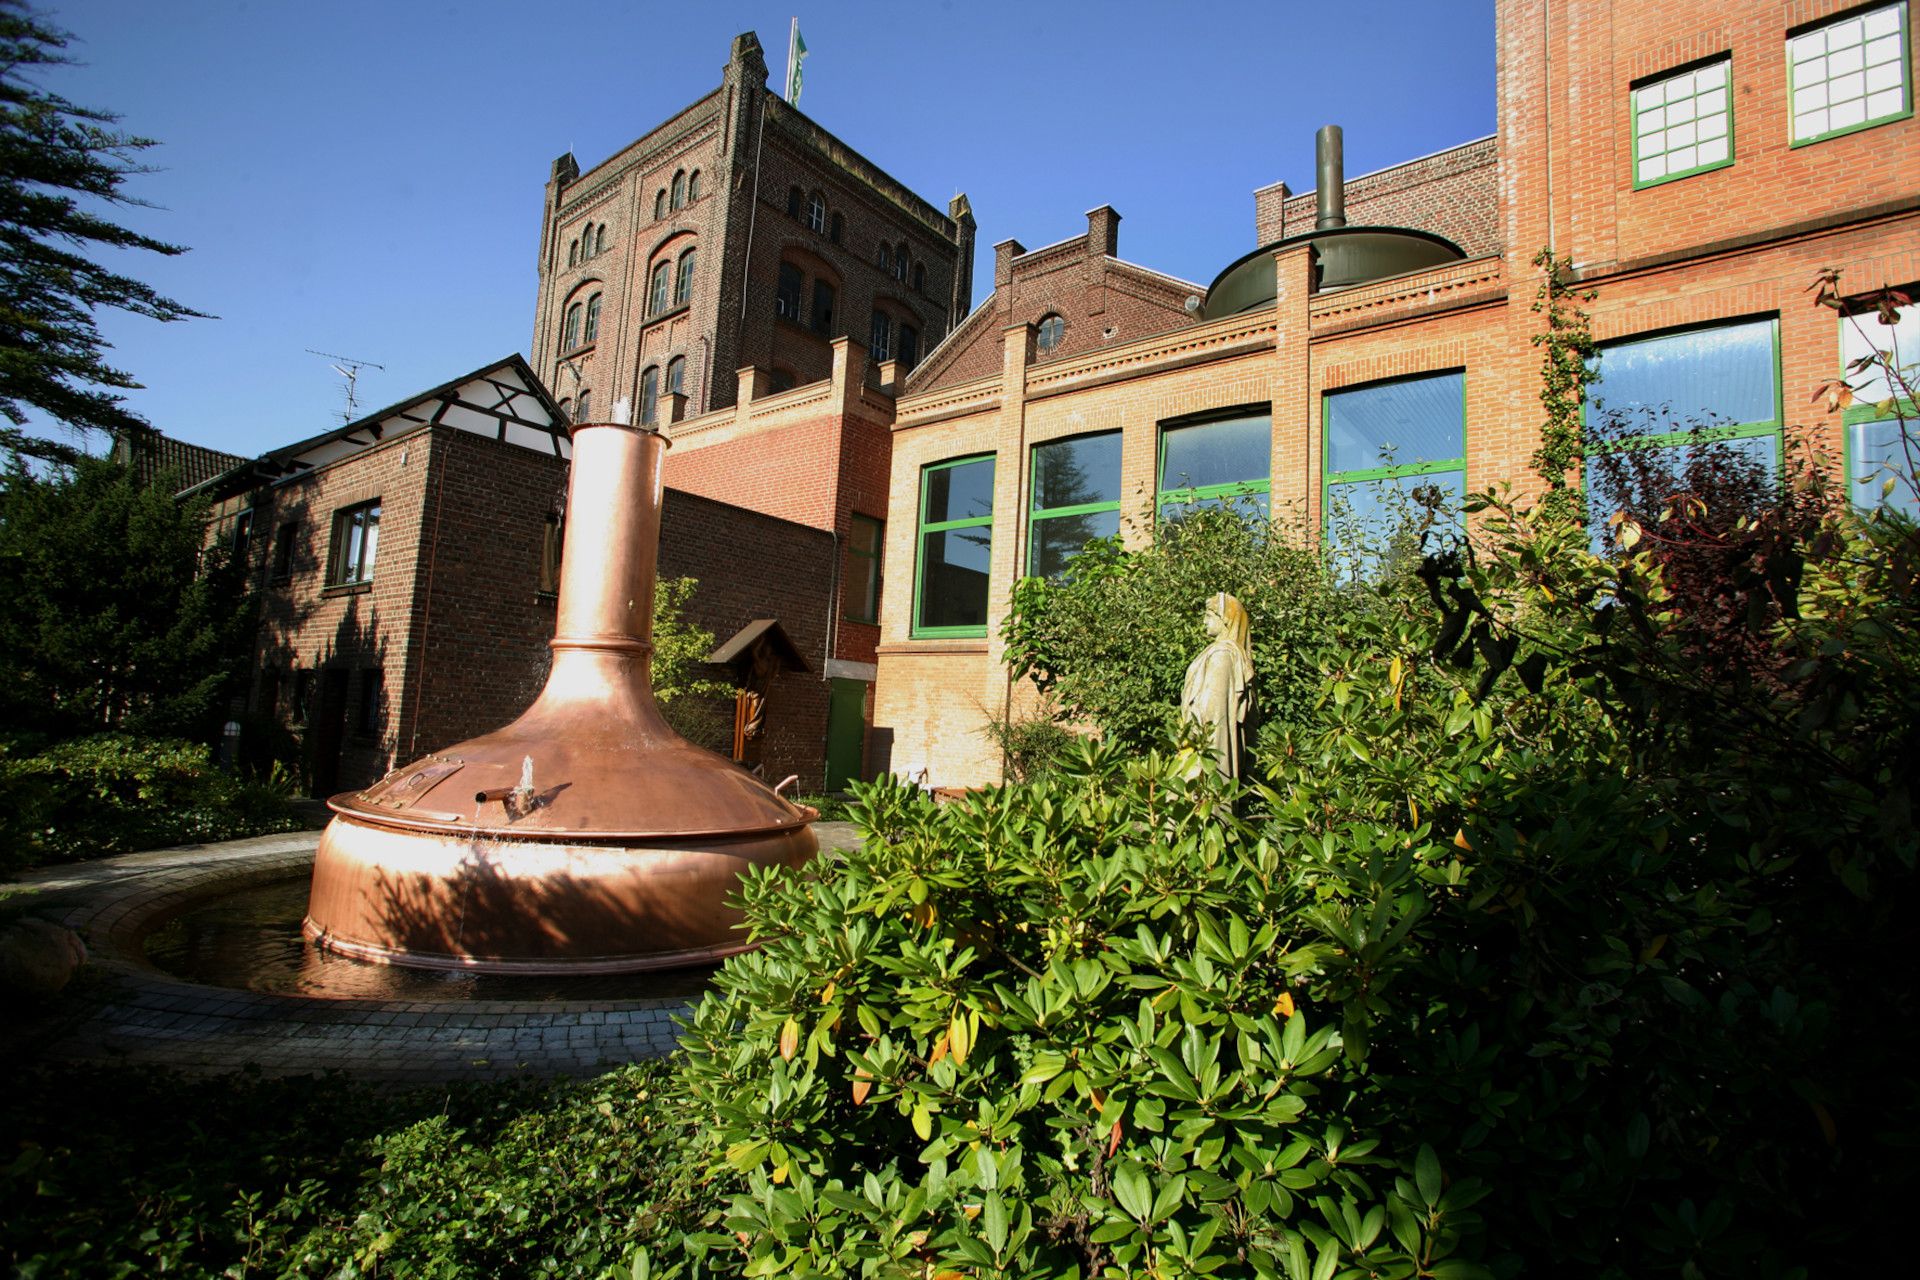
1111 642
113 793
118 619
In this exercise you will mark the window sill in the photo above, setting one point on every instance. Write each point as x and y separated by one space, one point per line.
934 645
584 349
346 589
675 310
802 328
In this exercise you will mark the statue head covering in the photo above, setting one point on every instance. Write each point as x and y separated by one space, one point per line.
1234 629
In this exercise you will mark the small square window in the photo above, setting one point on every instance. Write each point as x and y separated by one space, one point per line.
356 540
1849 74
1683 124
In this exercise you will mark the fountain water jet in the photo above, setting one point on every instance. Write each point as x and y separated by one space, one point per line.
586 836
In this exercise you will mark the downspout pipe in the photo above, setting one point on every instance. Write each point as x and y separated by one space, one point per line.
1330 181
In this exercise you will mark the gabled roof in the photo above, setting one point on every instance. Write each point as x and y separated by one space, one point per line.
503 400
149 453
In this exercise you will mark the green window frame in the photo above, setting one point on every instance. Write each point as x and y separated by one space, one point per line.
1693 372
1872 435
1091 508
1175 490
925 593
1683 123
1358 413
1855 70
865 540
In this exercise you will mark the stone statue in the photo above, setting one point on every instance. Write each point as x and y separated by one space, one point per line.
1219 683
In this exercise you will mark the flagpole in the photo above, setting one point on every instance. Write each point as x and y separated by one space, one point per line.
793 39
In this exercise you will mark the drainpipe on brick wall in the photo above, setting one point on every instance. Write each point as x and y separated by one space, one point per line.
753 213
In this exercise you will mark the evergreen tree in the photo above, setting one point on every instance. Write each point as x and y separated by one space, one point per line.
115 617
59 164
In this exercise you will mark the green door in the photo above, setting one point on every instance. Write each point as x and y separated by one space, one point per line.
846 732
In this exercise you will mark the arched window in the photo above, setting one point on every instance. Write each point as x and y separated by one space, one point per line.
836 227
1047 339
657 288
593 319
885 257
650 396
573 254
679 191
566 409
600 239
570 331
794 197
683 287
586 407
919 277
900 262
660 204
677 376
817 213
693 186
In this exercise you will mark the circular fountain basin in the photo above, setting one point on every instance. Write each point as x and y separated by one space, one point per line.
249 938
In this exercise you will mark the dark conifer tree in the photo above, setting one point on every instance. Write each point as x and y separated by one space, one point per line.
60 166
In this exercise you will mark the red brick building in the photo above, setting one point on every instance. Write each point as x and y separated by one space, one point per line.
406 565
736 233
1696 162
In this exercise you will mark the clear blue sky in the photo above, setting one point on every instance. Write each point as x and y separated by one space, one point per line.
366 178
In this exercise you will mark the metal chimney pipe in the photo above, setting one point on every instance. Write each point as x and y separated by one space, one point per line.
1330 181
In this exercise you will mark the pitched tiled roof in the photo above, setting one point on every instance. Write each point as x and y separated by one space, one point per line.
150 453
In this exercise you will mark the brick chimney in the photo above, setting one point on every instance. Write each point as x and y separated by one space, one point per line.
1103 232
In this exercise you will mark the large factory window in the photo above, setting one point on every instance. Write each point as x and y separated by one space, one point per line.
1718 383
356 539
956 548
1076 498
1226 462
1883 437
1849 74
1391 447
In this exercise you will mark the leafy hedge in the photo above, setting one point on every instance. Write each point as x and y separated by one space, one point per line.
115 793
117 1173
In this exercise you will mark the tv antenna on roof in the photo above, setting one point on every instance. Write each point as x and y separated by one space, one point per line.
348 368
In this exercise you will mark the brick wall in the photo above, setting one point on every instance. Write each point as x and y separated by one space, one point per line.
1452 193
1102 300
750 566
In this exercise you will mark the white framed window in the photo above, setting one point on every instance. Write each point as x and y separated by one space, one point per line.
1683 124
817 214
1849 74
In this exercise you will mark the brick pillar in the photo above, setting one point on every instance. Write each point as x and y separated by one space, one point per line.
1296 416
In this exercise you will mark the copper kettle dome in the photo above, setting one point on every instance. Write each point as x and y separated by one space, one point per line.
585 836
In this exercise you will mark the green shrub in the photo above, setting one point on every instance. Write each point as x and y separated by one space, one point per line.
116 1173
115 793
1031 746
1112 642
1064 1028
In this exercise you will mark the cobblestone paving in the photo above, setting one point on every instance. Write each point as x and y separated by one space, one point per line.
121 1010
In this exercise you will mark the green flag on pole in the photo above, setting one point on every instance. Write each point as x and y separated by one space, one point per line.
796 54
